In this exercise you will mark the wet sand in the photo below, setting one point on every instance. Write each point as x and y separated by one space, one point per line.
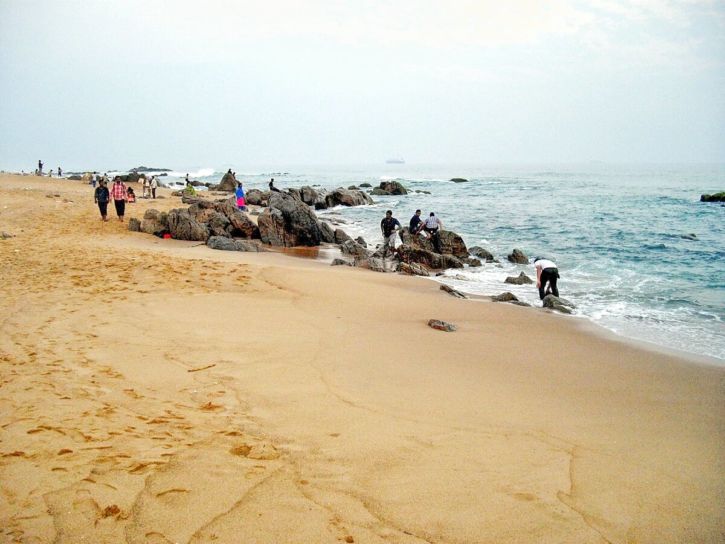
157 391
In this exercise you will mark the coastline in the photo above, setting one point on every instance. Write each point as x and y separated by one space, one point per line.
348 416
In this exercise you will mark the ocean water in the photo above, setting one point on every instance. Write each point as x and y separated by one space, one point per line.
616 233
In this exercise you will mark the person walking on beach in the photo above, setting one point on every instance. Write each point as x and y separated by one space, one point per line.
416 223
389 225
433 225
154 184
546 272
119 196
239 193
101 197
60 172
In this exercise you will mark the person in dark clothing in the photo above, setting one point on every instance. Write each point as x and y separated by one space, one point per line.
433 226
101 197
272 187
389 226
40 167
416 223
546 272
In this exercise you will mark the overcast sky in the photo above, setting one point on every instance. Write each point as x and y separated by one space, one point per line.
88 84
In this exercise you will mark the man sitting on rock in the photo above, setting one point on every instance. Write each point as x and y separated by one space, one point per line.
416 223
389 226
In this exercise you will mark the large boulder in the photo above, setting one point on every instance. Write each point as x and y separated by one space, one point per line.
227 244
413 269
134 225
451 243
341 236
154 221
308 195
289 222
228 183
390 188
346 197
517 256
203 210
240 225
183 226
219 225
255 197
411 254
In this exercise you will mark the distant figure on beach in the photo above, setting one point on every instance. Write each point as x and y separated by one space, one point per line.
146 187
187 178
119 196
40 167
546 272
154 184
416 223
272 187
433 225
389 225
239 193
105 178
130 195
50 173
101 197
60 172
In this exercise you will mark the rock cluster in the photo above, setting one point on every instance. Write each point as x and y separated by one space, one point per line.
717 197
390 188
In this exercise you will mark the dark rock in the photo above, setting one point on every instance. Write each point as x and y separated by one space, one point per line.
295 193
481 253
378 264
470 261
505 297
365 185
451 291
521 279
360 240
188 199
518 257
459 180
691 236
227 183
183 226
379 192
422 192
255 197
309 195
176 193
717 197
413 269
559 304
227 244
450 242
140 169
75 178
392 188
351 247
341 236
219 225
328 235
289 222
134 225
353 188
411 254
346 197
441 325
154 221
239 223
198 184
340 262
202 211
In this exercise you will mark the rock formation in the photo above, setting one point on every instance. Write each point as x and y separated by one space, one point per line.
517 256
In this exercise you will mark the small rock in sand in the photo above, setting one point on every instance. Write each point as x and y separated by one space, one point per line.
441 325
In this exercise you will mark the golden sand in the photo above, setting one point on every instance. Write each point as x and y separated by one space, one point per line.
157 391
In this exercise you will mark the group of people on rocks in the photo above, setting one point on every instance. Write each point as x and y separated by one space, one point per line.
429 227
547 273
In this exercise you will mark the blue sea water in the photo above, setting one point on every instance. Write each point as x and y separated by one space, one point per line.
616 233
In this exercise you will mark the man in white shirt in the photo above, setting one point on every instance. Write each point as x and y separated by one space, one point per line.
546 272
433 226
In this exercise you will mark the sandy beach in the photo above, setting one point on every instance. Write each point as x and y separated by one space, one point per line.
157 391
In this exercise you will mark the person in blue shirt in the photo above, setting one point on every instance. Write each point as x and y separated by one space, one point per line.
239 193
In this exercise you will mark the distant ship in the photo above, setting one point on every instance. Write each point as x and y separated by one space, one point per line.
395 161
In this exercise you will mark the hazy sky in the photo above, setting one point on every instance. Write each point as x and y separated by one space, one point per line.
113 84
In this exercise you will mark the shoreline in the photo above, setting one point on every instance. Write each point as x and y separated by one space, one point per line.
156 391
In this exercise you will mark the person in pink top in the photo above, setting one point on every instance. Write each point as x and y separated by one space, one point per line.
119 197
